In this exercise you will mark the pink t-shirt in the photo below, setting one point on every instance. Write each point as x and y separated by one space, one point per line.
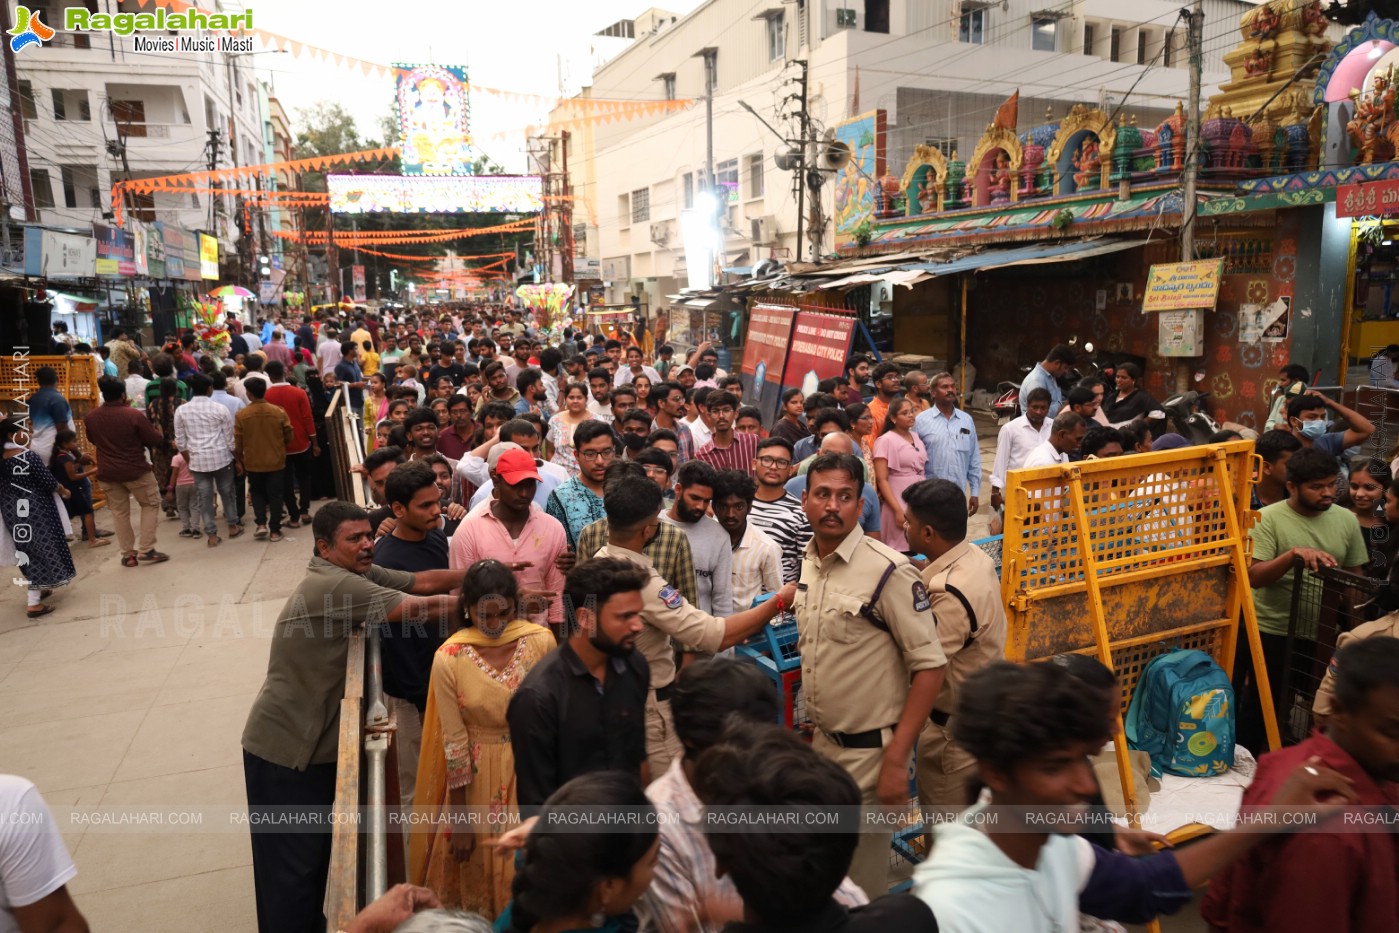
180 471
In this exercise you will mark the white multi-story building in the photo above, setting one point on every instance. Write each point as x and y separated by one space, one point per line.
938 68
95 112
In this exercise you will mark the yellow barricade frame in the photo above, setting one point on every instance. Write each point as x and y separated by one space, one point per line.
1128 557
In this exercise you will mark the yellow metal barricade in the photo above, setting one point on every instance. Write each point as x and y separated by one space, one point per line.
1129 557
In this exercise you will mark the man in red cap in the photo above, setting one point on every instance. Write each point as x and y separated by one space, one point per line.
510 528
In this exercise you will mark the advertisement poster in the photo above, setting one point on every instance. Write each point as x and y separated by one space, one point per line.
139 259
1181 333
378 194
208 256
174 239
357 282
155 251
765 350
1176 286
115 253
432 119
1265 323
820 344
58 255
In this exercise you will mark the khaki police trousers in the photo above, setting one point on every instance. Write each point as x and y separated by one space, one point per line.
870 866
944 768
662 745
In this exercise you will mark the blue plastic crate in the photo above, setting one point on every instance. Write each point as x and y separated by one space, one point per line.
992 546
777 640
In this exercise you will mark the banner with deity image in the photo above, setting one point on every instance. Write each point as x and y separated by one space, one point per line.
432 106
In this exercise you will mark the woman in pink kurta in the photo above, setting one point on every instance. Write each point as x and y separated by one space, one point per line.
899 458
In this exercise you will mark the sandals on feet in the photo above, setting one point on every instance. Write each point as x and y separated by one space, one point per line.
38 612
260 531
274 537
129 560
154 557
234 531
214 540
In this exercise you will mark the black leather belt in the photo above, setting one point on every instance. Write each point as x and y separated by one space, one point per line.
941 718
874 738
663 693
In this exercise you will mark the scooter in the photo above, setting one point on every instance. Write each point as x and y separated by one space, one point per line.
1007 403
1186 416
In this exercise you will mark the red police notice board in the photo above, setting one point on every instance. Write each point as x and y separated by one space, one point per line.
765 351
820 344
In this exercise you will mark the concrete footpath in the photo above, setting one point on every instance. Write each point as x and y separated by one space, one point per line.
133 694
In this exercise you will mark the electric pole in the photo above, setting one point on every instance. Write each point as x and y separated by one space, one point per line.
1195 34
804 119
566 212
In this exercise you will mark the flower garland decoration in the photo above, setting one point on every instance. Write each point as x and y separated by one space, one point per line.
210 329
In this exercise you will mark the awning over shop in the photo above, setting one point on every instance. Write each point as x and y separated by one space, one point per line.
701 304
906 277
1029 255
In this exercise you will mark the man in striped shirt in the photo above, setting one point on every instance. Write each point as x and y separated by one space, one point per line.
775 511
727 450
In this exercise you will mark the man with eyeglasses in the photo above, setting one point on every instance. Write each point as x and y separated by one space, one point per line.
578 502
727 449
776 511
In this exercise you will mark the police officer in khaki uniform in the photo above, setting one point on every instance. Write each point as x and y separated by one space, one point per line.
633 505
1386 626
871 661
966 594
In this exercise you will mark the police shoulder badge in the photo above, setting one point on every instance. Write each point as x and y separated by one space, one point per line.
671 596
922 602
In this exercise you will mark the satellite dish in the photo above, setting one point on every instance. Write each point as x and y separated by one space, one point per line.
789 159
834 156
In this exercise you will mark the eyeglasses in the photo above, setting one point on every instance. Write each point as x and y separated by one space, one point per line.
774 462
656 472
605 454
721 411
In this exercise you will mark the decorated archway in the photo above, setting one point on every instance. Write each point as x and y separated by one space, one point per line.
1081 153
995 166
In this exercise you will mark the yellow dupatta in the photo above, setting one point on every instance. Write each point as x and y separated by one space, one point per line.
430 794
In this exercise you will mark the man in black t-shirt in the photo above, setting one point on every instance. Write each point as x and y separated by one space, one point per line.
416 544
448 364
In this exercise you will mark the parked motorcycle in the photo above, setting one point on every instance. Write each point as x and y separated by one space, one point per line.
1186 416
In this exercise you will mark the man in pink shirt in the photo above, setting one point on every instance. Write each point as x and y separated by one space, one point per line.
510 528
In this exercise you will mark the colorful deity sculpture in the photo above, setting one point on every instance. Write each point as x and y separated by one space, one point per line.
1265 24
1258 62
1087 165
1369 128
1001 178
1314 21
928 193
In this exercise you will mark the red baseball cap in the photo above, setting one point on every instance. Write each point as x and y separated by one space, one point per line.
516 465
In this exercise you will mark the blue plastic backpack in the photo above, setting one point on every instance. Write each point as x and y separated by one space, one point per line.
1182 715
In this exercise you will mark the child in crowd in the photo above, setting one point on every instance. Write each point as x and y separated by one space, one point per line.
74 469
182 488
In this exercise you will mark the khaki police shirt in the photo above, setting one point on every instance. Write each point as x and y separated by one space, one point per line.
970 571
855 676
1383 627
667 615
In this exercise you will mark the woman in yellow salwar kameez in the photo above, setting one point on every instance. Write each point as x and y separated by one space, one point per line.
466 758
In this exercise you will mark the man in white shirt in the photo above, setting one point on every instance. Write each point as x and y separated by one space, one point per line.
35 867
1017 438
697 400
328 353
136 386
1064 438
757 560
709 543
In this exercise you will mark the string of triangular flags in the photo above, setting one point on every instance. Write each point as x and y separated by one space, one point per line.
297 49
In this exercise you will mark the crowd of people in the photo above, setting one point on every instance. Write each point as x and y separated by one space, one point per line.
568 539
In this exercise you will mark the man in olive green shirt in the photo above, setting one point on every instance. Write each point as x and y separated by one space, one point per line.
291 739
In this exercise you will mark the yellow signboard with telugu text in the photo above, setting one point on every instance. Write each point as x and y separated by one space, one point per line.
208 256
1180 286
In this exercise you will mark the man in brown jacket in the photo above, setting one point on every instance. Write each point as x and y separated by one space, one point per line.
121 435
261 433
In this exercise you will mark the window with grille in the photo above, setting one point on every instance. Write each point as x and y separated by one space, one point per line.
42 189
1088 38
777 36
945 144
1115 46
27 108
755 176
71 105
726 180
973 27
640 205
1044 34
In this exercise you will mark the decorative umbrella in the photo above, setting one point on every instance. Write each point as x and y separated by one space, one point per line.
231 291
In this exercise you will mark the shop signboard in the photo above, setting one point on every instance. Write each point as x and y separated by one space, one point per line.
174 240
115 252
820 345
139 259
208 257
51 254
1179 286
193 270
764 353
1380 198
155 251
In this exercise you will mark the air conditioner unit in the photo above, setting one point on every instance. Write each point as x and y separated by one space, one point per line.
660 233
764 230
845 18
